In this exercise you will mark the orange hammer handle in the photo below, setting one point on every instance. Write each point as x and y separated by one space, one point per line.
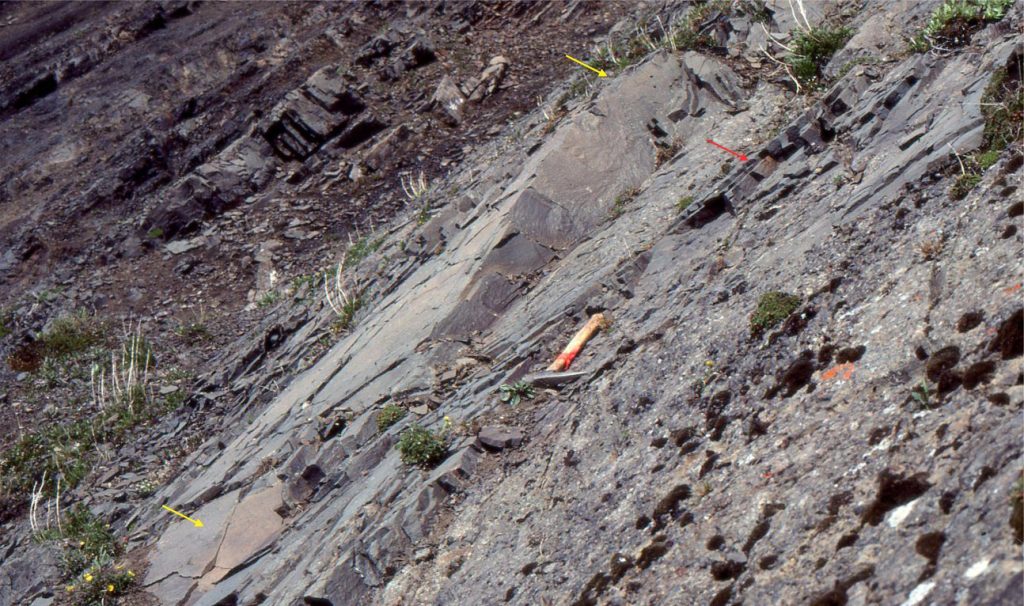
565 358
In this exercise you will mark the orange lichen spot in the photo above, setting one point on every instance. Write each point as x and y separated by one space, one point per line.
846 370
1013 288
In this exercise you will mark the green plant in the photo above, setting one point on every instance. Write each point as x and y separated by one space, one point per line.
772 308
922 395
155 233
307 282
710 375
420 446
684 203
88 552
145 488
757 10
690 31
963 185
388 416
85 538
423 214
811 49
346 314
122 402
512 394
47 294
1002 106
620 202
987 159
359 250
71 334
954 21
839 180
6 319
174 400
268 299
100 583
192 331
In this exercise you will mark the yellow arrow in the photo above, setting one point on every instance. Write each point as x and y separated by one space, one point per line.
600 72
196 522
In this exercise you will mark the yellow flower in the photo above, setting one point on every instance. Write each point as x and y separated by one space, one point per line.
88 577
110 588
709 363
70 588
131 574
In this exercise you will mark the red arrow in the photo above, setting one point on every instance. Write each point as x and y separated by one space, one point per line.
742 157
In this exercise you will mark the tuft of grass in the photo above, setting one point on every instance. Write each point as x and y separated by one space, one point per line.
619 205
269 298
192 331
684 203
811 50
1002 106
346 313
931 248
955 21
963 185
922 395
88 557
514 393
388 416
420 446
362 248
690 31
156 232
72 334
703 490
306 283
772 309
757 10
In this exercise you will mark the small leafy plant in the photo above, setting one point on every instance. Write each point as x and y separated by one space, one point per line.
514 393
953 23
684 203
423 447
388 416
88 553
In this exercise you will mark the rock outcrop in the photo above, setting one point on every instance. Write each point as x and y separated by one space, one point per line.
697 459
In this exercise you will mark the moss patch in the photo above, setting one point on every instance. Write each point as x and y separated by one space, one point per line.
772 308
